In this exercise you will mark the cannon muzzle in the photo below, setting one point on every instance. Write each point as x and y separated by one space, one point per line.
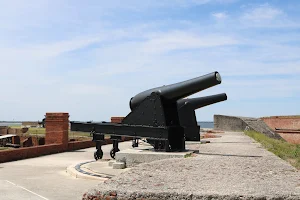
200 102
179 90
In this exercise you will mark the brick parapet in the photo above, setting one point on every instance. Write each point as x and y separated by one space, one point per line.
29 152
282 122
281 117
57 129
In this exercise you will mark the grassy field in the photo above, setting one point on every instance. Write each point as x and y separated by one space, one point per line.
4 148
42 132
284 150
72 134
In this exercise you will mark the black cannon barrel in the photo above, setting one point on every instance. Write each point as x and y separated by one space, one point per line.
180 90
202 101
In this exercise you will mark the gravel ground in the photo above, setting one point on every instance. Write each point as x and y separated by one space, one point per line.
230 167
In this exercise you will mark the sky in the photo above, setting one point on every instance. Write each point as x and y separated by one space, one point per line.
88 58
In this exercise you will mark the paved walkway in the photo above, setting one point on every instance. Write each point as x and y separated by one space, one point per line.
46 178
231 167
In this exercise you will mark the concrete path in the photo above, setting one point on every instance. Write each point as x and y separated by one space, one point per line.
46 178
231 167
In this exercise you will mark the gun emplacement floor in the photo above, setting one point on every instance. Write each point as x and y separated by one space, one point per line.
230 167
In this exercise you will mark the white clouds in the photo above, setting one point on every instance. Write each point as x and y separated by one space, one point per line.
212 1
262 12
95 71
180 40
220 15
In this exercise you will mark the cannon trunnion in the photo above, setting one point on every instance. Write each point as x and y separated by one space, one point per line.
156 115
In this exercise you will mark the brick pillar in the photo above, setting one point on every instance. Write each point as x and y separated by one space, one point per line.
116 119
57 129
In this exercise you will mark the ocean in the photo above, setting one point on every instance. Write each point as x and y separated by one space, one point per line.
206 124
10 124
201 124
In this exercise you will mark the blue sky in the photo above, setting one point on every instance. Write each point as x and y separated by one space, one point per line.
90 57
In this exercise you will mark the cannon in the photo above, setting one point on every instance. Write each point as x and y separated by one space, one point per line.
154 115
187 117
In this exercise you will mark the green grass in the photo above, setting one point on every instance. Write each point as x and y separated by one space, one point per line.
72 134
42 132
281 148
15 126
37 131
4 148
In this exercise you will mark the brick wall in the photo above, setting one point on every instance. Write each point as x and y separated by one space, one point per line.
80 145
285 122
57 129
3 130
11 131
293 138
29 152
57 126
282 122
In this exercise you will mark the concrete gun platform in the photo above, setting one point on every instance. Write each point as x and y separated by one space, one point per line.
230 167
105 169
145 154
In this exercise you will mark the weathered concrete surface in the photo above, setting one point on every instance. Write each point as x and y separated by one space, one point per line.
94 170
45 177
132 157
229 123
234 123
119 165
230 167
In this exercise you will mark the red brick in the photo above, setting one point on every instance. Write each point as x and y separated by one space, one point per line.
282 122
57 129
29 152
293 138
80 145
116 119
285 122
3 130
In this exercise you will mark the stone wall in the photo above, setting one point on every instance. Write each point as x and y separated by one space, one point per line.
233 123
229 123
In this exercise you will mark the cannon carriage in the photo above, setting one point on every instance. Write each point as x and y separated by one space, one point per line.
160 115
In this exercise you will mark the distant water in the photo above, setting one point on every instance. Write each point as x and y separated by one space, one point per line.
201 124
206 124
10 124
